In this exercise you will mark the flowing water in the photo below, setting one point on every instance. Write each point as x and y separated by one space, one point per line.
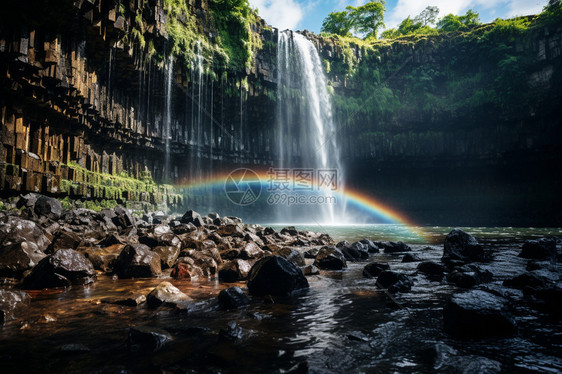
306 132
343 323
166 133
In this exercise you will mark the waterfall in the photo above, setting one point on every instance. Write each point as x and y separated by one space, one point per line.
168 120
306 132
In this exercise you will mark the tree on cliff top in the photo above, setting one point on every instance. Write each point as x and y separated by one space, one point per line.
458 23
365 19
421 24
337 23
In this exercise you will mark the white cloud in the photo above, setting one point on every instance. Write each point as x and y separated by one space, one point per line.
283 14
525 7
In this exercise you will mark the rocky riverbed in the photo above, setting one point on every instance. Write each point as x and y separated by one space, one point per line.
108 291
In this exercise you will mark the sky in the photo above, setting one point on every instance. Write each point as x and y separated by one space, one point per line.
309 14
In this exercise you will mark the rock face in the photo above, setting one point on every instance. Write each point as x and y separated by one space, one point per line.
330 258
12 303
233 298
137 261
463 247
477 314
275 276
22 245
167 295
62 269
394 282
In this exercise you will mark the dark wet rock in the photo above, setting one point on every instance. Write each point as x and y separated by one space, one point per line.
137 261
445 359
394 282
357 336
192 217
355 252
250 237
310 270
234 230
104 258
536 265
233 298
533 279
234 271
186 268
432 269
168 255
64 239
232 333
61 269
394 247
22 245
111 239
122 218
27 200
289 230
311 253
292 255
160 236
48 207
411 257
12 304
207 260
330 258
468 276
543 248
477 314
274 275
371 246
373 269
462 246
251 251
147 339
165 294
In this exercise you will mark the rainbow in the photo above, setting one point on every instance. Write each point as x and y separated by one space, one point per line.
357 199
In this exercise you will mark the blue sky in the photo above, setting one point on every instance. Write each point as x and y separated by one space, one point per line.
308 14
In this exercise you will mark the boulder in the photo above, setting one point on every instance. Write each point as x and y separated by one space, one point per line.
186 268
394 282
291 254
355 252
193 217
104 258
373 269
464 247
469 276
168 255
232 333
234 271
330 258
137 261
61 269
165 294
371 246
22 245
311 253
411 257
310 270
543 248
535 279
64 239
12 304
233 298
48 207
275 275
250 251
394 247
431 269
122 218
477 314
146 339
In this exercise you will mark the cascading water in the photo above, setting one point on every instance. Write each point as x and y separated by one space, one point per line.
306 133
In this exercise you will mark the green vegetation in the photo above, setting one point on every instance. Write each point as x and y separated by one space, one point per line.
365 19
426 81
451 22
105 190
